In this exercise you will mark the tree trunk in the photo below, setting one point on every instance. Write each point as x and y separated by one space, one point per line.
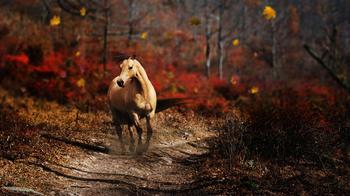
244 23
47 15
275 64
220 41
221 59
130 21
207 57
105 37
207 39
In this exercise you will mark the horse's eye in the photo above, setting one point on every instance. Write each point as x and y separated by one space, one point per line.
130 68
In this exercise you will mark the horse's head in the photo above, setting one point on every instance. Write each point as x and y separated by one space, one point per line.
129 69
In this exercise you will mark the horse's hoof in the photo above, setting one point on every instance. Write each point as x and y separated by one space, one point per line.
131 148
123 151
140 149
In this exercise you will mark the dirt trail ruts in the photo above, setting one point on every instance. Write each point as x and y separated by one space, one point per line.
86 159
167 167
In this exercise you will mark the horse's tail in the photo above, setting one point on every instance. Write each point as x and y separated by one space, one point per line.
163 104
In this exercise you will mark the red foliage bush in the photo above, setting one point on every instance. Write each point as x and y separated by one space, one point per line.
294 122
72 79
21 58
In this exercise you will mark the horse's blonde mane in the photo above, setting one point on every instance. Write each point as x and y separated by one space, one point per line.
141 70
143 78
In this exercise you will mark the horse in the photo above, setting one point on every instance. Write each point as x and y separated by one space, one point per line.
131 97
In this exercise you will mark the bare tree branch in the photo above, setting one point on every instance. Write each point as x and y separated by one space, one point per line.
47 7
332 73
69 7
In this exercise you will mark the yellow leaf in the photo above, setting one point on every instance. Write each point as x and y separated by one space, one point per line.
81 83
234 80
168 35
170 75
83 11
144 35
235 42
55 21
194 21
254 90
77 53
269 13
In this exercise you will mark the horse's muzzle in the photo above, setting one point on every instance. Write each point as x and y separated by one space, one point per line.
120 83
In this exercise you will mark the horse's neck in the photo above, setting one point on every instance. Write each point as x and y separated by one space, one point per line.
144 82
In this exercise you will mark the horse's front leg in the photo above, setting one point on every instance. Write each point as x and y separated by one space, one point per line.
137 124
118 129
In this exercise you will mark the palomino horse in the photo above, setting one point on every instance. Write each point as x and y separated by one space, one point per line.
131 97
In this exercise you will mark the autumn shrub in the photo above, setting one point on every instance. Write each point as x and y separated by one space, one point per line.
288 124
231 144
280 128
35 54
4 30
57 77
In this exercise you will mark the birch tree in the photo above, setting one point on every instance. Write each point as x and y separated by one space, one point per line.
208 34
226 25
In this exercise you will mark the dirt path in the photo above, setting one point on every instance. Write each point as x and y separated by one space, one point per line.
169 166
79 154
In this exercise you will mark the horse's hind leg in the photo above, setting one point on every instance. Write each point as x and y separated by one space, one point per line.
132 140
